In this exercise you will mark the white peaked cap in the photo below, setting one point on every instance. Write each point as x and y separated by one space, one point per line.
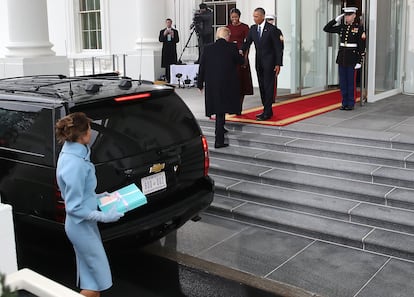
350 9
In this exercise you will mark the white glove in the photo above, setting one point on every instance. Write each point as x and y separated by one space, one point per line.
339 17
103 194
112 216
357 66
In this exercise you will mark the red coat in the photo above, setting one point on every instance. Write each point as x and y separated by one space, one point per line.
218 75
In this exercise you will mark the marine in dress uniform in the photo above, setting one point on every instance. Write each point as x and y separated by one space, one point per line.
351 51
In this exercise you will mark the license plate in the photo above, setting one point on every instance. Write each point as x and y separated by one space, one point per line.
153 183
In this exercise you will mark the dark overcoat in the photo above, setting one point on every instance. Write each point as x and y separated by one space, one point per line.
169 48
218 76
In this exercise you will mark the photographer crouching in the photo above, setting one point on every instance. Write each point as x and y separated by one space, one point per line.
203 25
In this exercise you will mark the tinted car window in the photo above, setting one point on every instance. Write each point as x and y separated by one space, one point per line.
125 129
26 132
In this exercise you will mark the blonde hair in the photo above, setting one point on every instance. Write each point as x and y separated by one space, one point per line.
72 126
223 32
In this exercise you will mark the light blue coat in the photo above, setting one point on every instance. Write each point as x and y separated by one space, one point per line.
77 182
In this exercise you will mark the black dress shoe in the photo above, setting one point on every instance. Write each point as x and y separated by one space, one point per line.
264 117
259 115
220 145
349 108
342 108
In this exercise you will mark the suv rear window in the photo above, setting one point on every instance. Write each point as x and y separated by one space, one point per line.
124 129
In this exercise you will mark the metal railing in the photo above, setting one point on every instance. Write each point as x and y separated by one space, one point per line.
97 64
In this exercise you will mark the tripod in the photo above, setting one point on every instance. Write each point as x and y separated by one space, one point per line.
186 45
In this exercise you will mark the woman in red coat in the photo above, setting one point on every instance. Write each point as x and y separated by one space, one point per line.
239 32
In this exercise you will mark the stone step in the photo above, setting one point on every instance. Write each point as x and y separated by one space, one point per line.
386 175
346 186
387 217
346 233
350 152
315 183
332 134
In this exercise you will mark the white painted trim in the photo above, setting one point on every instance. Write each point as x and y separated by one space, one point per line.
37 284
372 47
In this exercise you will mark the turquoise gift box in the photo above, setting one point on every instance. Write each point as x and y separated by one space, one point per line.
124 199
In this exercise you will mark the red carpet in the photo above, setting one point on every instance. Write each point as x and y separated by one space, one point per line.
293 110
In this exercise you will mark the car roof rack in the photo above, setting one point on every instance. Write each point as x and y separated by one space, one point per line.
48 85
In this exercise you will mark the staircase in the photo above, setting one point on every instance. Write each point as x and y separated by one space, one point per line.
350 187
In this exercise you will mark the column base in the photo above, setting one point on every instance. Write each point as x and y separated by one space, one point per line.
13 67
145 64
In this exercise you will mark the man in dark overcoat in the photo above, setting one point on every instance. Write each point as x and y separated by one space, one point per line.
218 75
269 53
169 38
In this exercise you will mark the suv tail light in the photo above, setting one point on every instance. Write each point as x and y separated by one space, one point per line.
132 97
206 155
60 213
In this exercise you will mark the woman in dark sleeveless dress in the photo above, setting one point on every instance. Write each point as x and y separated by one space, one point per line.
239 32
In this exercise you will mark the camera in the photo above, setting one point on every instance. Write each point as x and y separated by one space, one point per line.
197 23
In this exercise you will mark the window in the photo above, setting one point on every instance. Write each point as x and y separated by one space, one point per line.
26 132
90 24
221 11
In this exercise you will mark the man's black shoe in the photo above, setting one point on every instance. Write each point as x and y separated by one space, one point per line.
349 108
259 115
264 117
343 108
220 145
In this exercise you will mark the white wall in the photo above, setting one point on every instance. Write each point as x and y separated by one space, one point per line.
125 25
8 259
4 32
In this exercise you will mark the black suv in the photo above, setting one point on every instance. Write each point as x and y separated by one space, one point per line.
141 133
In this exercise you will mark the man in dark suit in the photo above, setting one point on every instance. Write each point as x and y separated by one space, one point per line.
169 38
269 53
218 75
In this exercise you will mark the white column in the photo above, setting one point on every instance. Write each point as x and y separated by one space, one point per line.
29 50
28 29
145 61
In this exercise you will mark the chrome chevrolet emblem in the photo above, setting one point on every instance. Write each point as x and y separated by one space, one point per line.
157 168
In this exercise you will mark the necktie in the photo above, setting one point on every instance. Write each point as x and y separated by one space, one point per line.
259 31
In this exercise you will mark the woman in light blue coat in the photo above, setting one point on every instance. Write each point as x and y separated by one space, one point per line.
77 182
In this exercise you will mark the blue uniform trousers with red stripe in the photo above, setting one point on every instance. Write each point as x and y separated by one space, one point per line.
347 85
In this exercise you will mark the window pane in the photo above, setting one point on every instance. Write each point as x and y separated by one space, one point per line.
92 21
84 21
388 46
90 5
98 20
221 15
82 5
99 39
85 39
93 44
97 4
